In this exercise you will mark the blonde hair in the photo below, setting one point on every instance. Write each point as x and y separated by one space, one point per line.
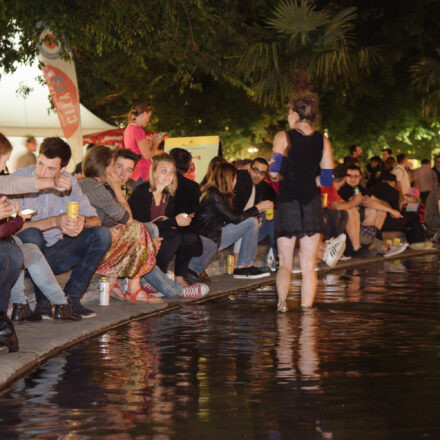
137 109
222 178
5 145
155 161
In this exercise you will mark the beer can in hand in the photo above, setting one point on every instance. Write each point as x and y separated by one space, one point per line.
230 264
73 210
104 292
268 214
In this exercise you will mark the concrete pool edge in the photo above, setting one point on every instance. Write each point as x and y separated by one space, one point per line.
42 340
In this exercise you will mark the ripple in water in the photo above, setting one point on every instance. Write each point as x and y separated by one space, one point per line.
363 364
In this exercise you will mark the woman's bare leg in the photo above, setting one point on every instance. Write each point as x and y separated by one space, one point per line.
309 249
285 247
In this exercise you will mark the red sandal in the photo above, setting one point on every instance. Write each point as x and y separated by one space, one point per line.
132 297
120 296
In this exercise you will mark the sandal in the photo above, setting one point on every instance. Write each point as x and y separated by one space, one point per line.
117 293
132 297
282 307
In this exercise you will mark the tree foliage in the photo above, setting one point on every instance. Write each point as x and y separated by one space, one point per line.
227 67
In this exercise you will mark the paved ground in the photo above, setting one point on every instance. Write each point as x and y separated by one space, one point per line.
41 340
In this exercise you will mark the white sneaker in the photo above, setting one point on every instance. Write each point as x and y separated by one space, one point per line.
197 290
333 251
396 249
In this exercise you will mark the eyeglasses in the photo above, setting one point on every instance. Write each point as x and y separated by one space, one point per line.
257 171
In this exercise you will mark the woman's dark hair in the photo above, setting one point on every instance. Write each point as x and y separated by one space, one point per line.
127 154
222 178
54 147
137 109
306 106
5 145
216 160
96 161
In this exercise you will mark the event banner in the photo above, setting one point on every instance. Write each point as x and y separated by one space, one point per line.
202 148
60 77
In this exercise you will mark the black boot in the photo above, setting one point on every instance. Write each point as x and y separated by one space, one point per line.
8 338
64 311
21 312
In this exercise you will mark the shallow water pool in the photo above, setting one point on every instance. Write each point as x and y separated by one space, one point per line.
363 364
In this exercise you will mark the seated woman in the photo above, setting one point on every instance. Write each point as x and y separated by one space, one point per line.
153 201
130 250
219 226
132 253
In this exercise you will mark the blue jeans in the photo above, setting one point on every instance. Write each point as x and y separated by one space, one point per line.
41 274
267 228
11 263
82 254
166 286
247 231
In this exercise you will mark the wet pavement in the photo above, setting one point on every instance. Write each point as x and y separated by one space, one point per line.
362 364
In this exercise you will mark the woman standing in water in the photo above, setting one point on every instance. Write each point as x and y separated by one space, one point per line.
297 156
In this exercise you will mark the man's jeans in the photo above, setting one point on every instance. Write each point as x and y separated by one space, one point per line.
11 263
82 253
247 230
267 228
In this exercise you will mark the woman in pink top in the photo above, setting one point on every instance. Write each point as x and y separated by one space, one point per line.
136 140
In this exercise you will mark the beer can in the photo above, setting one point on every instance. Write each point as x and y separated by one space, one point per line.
73 210
230 264
104 292
268 214
356 190
396 240
324 200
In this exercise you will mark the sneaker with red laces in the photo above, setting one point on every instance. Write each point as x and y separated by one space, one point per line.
197 290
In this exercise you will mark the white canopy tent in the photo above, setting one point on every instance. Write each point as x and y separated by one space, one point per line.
22 115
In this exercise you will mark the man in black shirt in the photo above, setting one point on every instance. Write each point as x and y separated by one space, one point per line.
408 222
372 210
251 190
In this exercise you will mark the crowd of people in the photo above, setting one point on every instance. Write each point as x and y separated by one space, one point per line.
139 214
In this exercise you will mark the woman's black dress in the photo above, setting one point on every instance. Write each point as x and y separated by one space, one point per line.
299 206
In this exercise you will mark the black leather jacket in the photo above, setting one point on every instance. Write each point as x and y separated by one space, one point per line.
215 213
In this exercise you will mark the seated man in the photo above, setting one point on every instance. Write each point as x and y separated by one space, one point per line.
335 201
68 243
253 191
408 222
373 211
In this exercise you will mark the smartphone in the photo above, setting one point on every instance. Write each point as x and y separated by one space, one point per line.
28 212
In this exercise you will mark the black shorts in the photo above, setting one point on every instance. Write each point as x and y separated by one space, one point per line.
296 219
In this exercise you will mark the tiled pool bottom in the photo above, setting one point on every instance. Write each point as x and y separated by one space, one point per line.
363 364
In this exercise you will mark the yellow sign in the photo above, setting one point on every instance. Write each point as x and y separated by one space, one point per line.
202 148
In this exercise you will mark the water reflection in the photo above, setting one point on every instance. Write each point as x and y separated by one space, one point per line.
362 364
